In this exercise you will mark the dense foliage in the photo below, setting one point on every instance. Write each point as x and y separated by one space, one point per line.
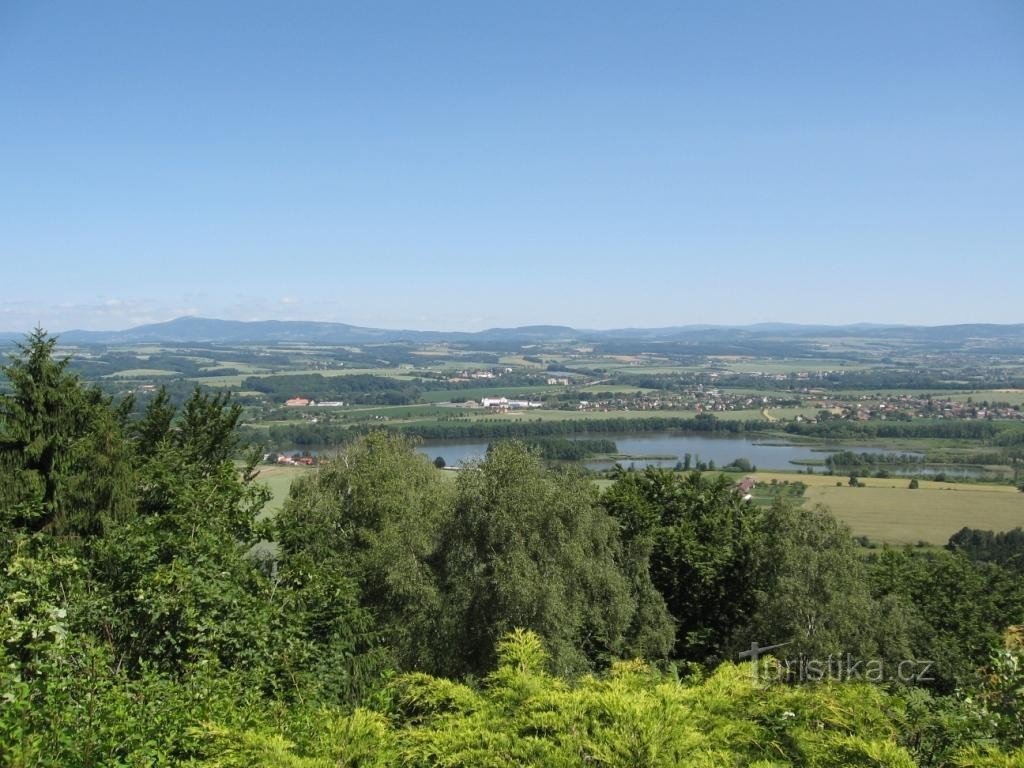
563 449
851 459
392 614
1005 548
452 428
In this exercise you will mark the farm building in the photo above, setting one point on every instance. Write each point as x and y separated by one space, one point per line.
745 486
505 403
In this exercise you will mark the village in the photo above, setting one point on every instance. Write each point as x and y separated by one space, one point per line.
904 407
817 405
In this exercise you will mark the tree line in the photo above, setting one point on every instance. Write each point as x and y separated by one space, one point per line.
453 429
849 459
1005 548
951 429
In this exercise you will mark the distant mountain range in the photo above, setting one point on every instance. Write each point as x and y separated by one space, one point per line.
207 330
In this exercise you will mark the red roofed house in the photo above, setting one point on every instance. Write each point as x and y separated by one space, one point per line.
746 485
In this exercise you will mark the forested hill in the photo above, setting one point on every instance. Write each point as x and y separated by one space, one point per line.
198 329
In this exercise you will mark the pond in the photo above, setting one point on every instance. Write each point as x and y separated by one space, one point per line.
654 450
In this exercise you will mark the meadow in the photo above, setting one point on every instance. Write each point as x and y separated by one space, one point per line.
1011 396
888 511
901 515
279 480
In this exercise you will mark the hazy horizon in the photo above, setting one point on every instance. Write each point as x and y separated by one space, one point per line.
467 166
865 323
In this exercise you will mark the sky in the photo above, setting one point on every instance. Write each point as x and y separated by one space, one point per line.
464 165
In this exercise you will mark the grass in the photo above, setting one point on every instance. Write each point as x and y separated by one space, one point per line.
140 373
886 510
447 395
247 368
620 389
789 414
416 412
781 393
279 480
394 373
795 365
749 414
648 369
518 360
236 380
541 414
1013 397
233 380
900 515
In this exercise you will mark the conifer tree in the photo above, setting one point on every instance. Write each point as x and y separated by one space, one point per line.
63 463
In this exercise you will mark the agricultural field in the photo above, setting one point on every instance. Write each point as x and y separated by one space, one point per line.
786 366
518 360
619 389
139 373
900 515
279 480
401 412
541 414
743 414
449 395
789 414
887 510
642 368
228 381
1012 396
236 380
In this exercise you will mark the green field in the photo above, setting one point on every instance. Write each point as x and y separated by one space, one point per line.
140 373
399 372
619 389
247 368
781 393
230 380
403 412
235 380
542 414
447 395
646 369
888 511
789 414
797 365
1011 396
279 480
746 414
517 360
906 516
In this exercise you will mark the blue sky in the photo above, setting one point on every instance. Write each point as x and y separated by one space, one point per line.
461 165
